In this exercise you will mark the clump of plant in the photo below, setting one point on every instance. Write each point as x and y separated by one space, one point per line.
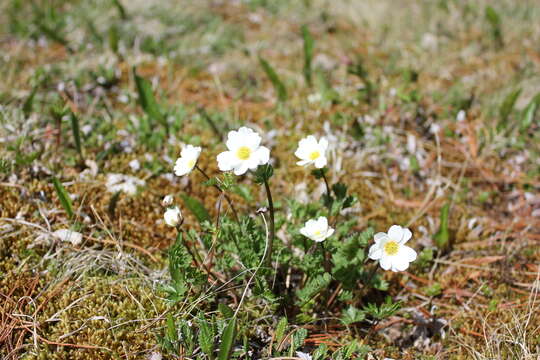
318 266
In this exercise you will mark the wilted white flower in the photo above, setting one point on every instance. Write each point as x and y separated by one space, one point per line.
167 200
311 151
124 183
317 230
172 216
390 249
461 115
187 160
135 165
303 355
74 237
245 152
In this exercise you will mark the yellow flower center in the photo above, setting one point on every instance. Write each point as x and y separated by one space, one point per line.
191 163
314 155
391 248
317 232
243 153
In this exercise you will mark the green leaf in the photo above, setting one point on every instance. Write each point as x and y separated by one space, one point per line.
276 82
495 21
352 315
206 336
29 103
527 118
172 333
76 133
227 340
298 338
225 310
506 108
442 237
63 196
147 100
280 330
308 53
197 208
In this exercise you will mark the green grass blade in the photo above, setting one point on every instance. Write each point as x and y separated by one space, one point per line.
76 133
146 98
442 237
506 108
227 340
276 82
309 44
197 208
63 196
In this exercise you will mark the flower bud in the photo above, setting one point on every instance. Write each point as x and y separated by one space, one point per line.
167 200
173 216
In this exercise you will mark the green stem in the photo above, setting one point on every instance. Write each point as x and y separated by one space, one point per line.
272 230
229 201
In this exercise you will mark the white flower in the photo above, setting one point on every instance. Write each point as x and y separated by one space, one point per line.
303 355
167 200
74 237
172 216
390 249
244 152
187 160
317 230
124 183
312 152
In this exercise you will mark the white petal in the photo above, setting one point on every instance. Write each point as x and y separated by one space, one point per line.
322 222
375 252
303 162
380 236
226 161
395 233
241 169
407 234
408 253
320 162
399 263
329 233
262 154
385 262
181 167
304 231
323 144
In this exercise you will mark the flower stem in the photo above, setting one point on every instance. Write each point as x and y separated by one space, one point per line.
272 230
328 192
229 201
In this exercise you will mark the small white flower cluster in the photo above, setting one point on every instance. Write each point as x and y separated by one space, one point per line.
245 152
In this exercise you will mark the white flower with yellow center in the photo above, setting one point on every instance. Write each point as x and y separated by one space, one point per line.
311 151
245 152
317 230
187 160
172 216
390 249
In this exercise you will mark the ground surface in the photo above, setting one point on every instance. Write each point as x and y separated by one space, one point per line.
416 99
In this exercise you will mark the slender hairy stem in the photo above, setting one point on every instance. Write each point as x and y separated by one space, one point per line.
229 201
328 192
326 262
272 231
